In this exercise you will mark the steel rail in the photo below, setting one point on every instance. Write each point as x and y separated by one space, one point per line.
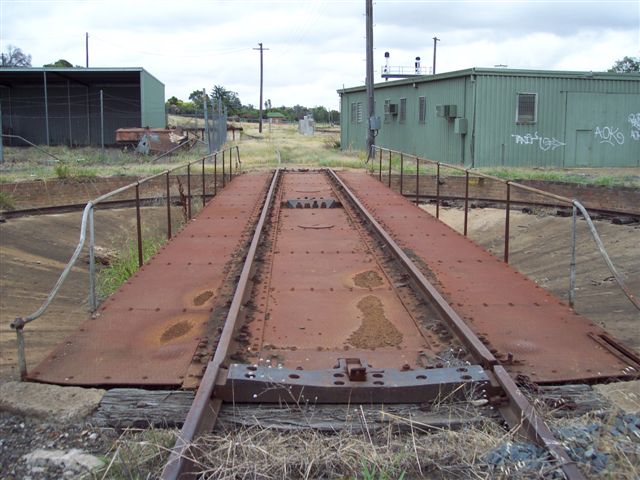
204 410
468 337
519 413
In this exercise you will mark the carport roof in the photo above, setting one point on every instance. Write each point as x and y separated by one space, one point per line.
85 76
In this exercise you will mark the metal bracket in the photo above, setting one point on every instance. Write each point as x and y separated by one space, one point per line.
312 202
355 368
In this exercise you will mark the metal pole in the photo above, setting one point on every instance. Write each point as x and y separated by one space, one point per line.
69 112
401 170
572 268
389 180
223 173
168 209
438 190
206 121
204 196
435 39
215 174
46 107
86 48
380 168
139 226
506 224
1 138
93 304
102 120
466 201
417 180
369 76
261 84
22 360
230 165
238 156
189 191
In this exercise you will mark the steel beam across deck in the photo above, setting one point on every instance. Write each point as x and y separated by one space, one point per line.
531 331
146 334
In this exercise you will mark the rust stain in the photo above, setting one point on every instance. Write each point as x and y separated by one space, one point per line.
369 279
202 298
376 330
176 330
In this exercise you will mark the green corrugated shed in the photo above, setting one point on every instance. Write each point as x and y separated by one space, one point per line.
493 117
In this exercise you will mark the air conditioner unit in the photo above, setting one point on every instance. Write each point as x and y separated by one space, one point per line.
442 110
393 108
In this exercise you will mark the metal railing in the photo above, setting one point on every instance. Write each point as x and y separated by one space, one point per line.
575 204
88 221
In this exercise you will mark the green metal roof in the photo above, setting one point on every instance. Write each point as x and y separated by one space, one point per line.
275 115
502 72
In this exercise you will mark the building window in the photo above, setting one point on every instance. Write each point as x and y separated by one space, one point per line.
359 112
422 109
403 110
353 112
527 109
387 111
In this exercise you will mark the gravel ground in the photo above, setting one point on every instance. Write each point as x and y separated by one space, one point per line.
20 436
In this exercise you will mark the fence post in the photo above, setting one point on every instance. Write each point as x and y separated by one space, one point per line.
204 196
572 268
168 209
438 190
189 191
139 225
466 200
215 174
93 304
230 165
417 180
506 224
389 180
223 172
380 169
102 121
401 170
239 164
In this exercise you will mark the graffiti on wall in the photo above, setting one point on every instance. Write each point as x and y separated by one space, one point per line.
634 121
543 143
611 135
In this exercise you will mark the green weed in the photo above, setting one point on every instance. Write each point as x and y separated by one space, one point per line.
6 201
112 277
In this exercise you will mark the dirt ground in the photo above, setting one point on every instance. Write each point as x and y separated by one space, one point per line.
34 250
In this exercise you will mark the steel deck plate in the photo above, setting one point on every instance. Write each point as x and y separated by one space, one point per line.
148 331
548 340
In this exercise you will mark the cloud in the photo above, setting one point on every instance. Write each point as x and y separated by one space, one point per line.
316 46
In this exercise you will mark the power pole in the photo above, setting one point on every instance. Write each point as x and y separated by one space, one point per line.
369 78
261 70
86 47
435 39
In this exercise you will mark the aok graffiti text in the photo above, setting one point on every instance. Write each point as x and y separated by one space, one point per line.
611 135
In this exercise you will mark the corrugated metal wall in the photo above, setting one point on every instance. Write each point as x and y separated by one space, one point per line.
581 121
152 95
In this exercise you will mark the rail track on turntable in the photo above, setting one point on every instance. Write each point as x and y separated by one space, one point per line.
317 287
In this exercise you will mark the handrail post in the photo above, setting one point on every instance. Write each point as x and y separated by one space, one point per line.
417 180
438 190
239 164
204 196
223 173
506 224
572 267
230 166
389 180
168 208
215 174
138 225
22 359
466 201
401 170
380 168
189 191
93 304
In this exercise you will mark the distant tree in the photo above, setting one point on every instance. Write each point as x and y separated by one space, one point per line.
14 58
626 65
62 63
197 97
230 100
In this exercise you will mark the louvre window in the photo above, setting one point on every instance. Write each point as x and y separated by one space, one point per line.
359 114
403 110
527 108
387 111
422 109
353 113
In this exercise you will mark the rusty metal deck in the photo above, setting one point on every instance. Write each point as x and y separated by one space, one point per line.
548 340
148 331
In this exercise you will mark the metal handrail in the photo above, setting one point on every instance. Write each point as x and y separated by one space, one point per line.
508 183
87 218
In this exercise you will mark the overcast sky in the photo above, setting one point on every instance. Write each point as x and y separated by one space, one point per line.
316 46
